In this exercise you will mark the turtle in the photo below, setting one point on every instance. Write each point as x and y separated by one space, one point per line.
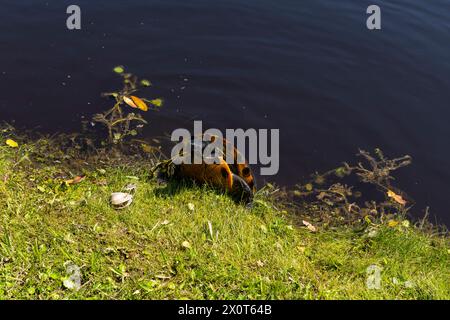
236 179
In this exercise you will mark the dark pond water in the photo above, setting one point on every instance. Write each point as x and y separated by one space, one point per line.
309 68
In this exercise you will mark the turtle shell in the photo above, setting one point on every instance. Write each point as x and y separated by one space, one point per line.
237 178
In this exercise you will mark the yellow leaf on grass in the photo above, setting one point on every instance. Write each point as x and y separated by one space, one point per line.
12 143
392 223
397 198
139 103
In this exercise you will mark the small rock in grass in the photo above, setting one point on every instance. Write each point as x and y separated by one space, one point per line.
186 244
263 228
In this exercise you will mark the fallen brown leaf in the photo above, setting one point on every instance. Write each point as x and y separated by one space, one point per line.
397 198
139 103
309 226
75 180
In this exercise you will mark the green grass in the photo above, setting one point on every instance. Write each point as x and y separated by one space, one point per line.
138 252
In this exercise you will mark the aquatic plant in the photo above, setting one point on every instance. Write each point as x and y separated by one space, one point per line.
120 121
341 200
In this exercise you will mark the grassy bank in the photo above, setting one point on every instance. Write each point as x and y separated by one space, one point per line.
178 241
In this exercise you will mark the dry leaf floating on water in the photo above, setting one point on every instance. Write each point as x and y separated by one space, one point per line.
139 103
397 198
129 102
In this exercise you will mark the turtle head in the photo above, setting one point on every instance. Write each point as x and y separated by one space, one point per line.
241 191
